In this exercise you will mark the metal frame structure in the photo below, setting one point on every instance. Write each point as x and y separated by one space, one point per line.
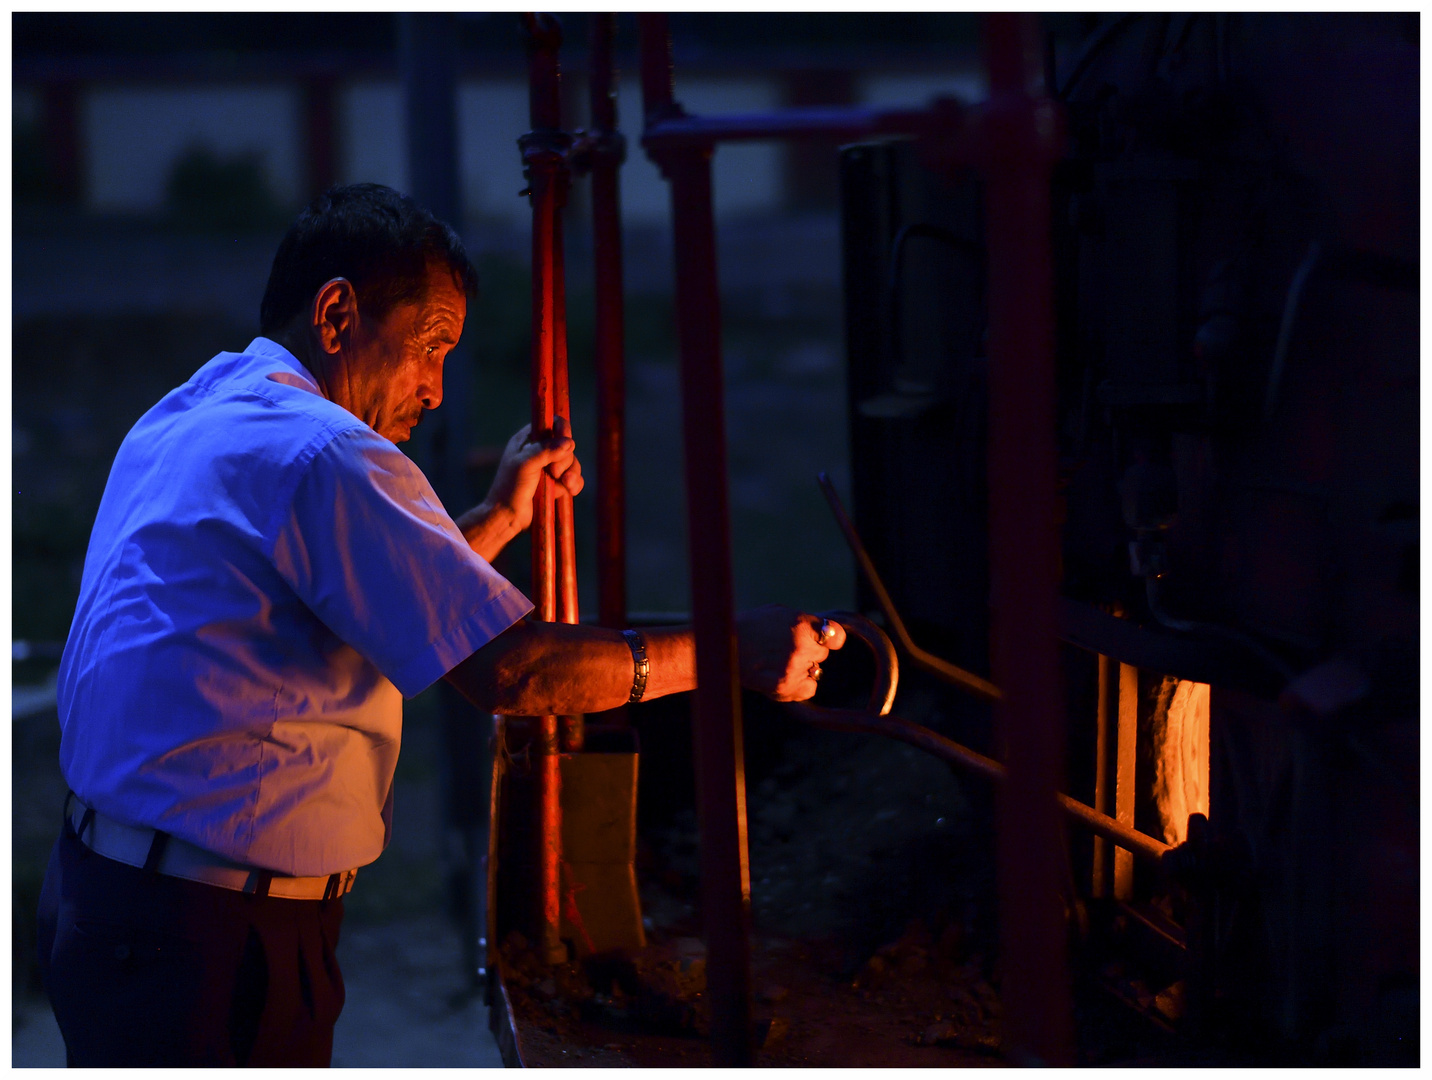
1012 139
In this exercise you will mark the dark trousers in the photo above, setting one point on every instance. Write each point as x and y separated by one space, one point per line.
148 970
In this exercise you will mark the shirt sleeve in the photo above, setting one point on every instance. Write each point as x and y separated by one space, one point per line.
369 548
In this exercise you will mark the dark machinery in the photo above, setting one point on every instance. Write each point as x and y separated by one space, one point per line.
1132 367
1236 280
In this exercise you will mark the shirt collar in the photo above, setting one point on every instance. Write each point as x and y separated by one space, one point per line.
272 350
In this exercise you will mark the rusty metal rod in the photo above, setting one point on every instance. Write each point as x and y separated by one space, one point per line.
942 669
572 728
1100 872
607 158
562 406
720 766
893 727
1019 141
543 154
1126 765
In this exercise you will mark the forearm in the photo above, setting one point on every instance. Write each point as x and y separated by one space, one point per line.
488 528
541 669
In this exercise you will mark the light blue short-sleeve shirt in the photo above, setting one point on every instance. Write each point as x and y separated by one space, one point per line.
267 578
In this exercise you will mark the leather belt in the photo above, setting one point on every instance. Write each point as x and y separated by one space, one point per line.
179 858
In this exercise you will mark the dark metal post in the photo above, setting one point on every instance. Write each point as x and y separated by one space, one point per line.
658 92
64 148
720 770
320 127
543 152
1020 136
608 151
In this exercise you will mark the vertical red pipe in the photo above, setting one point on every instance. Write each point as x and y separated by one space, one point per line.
1019 136
610 329
544 558
720 768
572 728
562 406
543 151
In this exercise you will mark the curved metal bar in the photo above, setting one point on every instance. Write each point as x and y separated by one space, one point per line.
887 663
876 720
941 669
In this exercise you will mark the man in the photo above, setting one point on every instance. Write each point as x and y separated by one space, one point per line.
268 576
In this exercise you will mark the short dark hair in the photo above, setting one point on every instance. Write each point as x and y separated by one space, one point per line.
378 239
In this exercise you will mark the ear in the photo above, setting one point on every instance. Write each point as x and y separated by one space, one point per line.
334 313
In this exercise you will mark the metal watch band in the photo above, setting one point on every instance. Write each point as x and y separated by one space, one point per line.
640 664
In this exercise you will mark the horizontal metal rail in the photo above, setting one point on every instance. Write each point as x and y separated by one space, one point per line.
893 727
841 124
875 720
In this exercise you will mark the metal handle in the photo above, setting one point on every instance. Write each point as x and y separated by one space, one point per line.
941 669
887 663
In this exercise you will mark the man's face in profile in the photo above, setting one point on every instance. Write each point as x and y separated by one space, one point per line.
395 368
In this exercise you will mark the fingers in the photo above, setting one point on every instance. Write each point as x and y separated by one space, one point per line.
782 650
812 647
828 635
557 456
571 479
800 684
560 438
564 467
561 443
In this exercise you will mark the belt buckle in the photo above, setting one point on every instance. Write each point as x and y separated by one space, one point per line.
339 884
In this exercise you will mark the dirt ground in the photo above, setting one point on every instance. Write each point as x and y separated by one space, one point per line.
874 936
866 951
